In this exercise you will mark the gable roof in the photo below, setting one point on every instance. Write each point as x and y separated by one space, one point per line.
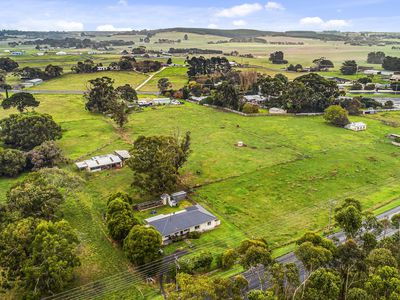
181 220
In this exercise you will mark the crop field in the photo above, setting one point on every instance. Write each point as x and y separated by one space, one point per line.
78 82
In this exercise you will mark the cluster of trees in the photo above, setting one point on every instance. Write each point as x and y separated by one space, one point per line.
29 136
391 63
7 64
38 249
86 66
204 66
277 58
103 98
70 42
193 51
376 57
49 72
141 244
362 267
336 115
156 162
323 63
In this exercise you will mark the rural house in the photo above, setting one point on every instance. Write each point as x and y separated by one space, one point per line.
255 99
356 126
179 224
104 162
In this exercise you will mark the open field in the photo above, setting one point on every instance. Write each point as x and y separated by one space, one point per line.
77 82
176 75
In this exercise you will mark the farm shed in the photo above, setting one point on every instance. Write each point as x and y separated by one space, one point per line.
356 126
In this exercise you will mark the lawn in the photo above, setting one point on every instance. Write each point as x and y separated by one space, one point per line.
78 82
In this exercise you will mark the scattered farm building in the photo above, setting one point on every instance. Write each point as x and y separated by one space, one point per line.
395 77
32 82
174 199
102 68
161 101
197 99
17 53
356 126
256 99
61 53
177 225
104 162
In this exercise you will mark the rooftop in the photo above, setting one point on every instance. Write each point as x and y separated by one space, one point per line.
184 219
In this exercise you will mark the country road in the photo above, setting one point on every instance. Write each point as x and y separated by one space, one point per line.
148 79
252 277
68 92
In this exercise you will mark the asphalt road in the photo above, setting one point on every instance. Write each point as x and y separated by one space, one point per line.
252 276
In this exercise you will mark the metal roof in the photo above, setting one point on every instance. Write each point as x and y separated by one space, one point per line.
181 220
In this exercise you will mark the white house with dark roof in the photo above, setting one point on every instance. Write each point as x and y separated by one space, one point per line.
179 224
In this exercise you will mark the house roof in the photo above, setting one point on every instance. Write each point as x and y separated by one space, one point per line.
124 154
99 161
181 220
254 98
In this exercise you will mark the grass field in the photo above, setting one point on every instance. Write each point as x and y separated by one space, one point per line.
176 75
78 82
276 187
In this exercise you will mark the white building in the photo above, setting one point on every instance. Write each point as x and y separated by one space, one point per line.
32 82
61 53
256 99
277 111
102 68
104 162
356 126
179 224
161 101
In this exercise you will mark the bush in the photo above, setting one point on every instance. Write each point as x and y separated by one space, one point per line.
229 258
209 100
370 87
12 162
356 86
194 235
336 115
249 108
47 154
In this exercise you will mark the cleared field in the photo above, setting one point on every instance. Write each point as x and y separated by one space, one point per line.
176 75
78 82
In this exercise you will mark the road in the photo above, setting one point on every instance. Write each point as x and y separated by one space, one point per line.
149 78
68 92
252 276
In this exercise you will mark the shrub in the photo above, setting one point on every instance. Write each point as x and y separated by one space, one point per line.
369 87
48 154
194 235
12 162
336 115
249 108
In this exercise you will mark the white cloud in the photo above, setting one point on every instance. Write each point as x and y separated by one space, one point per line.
212 26
67 26
311 21
274 6
317 22
239 23
240 10
109 27
123 2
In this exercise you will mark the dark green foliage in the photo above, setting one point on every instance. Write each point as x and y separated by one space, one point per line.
323 63
156 162
28 130
277 58
336 115
32 197
204 66
46 155
364 80
120 218
142 245
7 64
87 66
349 67
127 63
20 101
119 113
52 260
249 108
322 284
356 86
227 95
270 86
349 217
376 57
101 96
127 93
12 162
48 73
146 66
391 63
164 85
229 258
353 106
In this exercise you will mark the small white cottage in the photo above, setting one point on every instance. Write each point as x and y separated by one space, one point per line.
356 126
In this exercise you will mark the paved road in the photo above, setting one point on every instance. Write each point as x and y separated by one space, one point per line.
68 92
252 275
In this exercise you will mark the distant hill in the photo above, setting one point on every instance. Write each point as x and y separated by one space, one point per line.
251 33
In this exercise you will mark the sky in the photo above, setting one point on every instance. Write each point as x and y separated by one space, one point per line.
279 15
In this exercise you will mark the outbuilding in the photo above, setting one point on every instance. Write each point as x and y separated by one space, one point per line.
356 126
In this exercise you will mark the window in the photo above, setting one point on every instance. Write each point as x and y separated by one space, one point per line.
197 227
209 223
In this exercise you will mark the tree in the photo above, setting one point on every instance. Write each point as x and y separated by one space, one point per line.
323 63
53 71
391 63
271 86
384 283
87 66
34 198
376 57
260 295
21 101
7 64
120 218
101 96
142 245
357 294
395 219
277 58
28 130
46 155
6 87
193 288
204 66
323 284
119 113
336 115
185 37
312 256
156 161
53 258
349 67
127 93
164 85
381 257
349 218
389 104
12 162
229 258
169 61
364 80
227 95
127 63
